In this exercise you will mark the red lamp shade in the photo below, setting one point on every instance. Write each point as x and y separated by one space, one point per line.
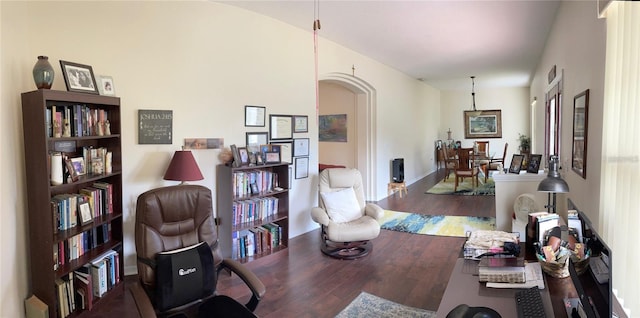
183 167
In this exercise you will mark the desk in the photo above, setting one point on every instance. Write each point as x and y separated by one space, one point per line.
464 288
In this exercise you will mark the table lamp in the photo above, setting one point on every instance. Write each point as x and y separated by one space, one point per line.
183 167
553 184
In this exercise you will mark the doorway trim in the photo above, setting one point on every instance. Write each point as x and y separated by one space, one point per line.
365 126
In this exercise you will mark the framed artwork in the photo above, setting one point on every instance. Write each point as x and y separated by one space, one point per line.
272 157
285 149
155 126
106 86
254 116
483 124
203 143
534 163
280 127
85 213
78 165
255 139
79 77
300 147
300 124
580 120
516 163
302 167
332 128
71 169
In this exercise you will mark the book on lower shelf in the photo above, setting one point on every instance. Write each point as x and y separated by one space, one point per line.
257 240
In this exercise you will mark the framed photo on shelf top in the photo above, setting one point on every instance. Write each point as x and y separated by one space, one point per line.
105 85
516 163
286 151
483 124
300 124
79 77
280 127
272 157
254 116
534 163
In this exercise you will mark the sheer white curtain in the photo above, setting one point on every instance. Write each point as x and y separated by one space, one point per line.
620 201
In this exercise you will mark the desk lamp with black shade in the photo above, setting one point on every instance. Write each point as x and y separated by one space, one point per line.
183 167
553 184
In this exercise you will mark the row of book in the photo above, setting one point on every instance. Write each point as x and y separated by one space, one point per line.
75 121
79 289
71 209
74 247
253 182
254 209
97 160
257 240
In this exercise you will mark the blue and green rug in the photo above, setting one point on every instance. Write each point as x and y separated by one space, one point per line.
440 225
464 188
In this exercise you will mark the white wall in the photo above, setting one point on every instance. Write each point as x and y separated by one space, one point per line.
576 45
204 61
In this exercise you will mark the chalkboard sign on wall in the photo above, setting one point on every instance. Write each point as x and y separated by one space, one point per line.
155 126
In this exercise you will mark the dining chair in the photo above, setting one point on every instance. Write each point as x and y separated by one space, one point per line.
496 163
466 167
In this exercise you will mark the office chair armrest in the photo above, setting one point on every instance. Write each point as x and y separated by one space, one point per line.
319 215
143 303
373 210
248 277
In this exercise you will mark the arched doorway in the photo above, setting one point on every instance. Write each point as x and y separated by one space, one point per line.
365 123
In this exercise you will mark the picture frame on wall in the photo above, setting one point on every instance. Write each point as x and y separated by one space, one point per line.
580 123
300 124
516 163
254 116
280 127
302 167
301 147
255 139
79 77
483 124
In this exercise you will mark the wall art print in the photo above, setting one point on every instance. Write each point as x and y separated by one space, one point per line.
333 128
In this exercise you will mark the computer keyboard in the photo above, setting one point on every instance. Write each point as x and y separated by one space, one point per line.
529 303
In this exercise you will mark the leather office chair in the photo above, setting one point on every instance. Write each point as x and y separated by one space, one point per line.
466 167
496 163
174 217
348 223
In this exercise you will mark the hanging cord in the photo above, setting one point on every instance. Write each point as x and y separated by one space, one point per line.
316 27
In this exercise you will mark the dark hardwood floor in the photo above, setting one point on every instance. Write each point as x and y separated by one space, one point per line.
406 268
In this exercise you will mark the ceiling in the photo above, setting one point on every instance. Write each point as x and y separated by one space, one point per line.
442 43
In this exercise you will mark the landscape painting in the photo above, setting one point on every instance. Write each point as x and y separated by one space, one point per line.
333 128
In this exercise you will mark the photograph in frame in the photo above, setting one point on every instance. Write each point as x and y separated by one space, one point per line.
244 156
79 77
516 163
300 124
301 147
78 165
534 163
106 86
272 157
280 127
285 149
254 116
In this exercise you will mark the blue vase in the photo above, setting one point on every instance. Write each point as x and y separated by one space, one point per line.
43 73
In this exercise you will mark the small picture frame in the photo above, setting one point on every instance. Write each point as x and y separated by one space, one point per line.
236 156
285 149
254 188
73 174
534 163
300 124
106 86
78 165
79 77
272 157
301 147
254 116
516 163
302 167
85 213
244 156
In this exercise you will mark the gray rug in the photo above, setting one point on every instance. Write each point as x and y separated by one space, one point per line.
371 306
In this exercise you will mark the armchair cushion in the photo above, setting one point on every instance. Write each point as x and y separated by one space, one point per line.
184 275
342 205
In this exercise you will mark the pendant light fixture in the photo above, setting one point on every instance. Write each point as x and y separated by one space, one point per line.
473 97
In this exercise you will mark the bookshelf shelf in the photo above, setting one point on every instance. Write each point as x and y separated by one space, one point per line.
242 213
60 246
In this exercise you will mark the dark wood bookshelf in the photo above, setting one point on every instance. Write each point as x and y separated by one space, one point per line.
39 143
226 199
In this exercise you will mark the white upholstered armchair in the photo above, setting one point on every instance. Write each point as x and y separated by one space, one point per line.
348 222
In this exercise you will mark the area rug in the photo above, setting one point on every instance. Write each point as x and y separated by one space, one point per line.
464 188
440 225
369 306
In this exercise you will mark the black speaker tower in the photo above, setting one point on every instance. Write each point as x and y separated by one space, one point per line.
397 168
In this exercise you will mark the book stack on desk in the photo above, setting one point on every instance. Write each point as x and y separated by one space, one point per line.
502 270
